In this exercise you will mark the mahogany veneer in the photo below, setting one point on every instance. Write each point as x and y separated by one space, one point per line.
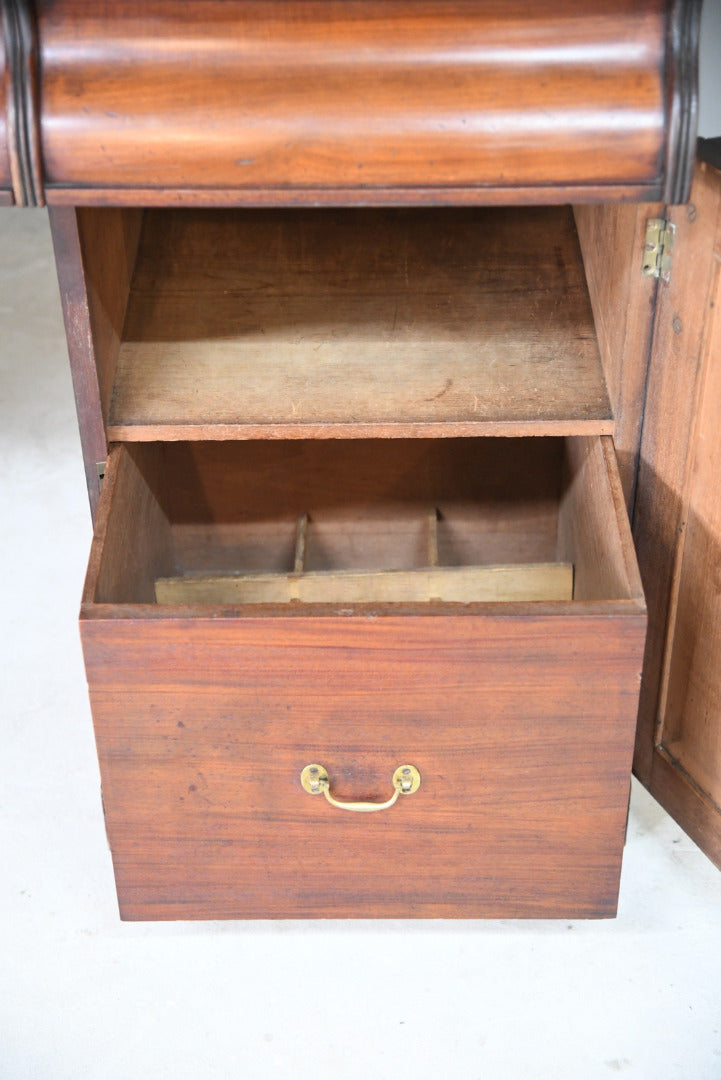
350 101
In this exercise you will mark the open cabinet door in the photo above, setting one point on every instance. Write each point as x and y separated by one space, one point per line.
660 343
677 526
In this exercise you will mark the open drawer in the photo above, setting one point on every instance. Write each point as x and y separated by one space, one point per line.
517 713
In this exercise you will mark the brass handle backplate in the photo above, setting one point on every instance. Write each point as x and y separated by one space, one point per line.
406 780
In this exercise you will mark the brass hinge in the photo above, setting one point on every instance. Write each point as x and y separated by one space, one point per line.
101 466
658 248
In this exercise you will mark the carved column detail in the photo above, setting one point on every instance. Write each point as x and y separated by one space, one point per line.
21 95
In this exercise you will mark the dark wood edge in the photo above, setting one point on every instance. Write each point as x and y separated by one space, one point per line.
543 195
709 150
683 31
194 613
21 50
134 433
78 331
131 912
685 801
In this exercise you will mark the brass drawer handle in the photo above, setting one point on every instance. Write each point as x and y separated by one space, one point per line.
406 780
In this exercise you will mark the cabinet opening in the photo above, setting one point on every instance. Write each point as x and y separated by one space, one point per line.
383 323
353 522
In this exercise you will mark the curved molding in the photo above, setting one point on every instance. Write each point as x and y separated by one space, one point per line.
684 27
382 99
21 56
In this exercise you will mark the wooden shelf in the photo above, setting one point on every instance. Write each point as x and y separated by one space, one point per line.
370 323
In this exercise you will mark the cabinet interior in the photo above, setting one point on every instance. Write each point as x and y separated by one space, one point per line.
297 394
342 323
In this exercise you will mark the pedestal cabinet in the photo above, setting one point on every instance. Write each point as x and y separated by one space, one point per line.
361 400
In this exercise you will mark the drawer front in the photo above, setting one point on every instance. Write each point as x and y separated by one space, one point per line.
335 102
521 728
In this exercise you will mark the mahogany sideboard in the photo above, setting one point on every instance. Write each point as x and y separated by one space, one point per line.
388 382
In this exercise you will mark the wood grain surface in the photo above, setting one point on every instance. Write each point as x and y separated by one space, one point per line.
593 528
232 507
692 694
94 254
5 175
457 584
677 529
84 363
357 96
672 399
342 323
109 243
521 728
612 239
519 717
137 545
337 197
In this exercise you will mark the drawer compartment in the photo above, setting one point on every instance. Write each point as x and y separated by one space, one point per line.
518 714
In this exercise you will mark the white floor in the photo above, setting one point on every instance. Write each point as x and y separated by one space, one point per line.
83 995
